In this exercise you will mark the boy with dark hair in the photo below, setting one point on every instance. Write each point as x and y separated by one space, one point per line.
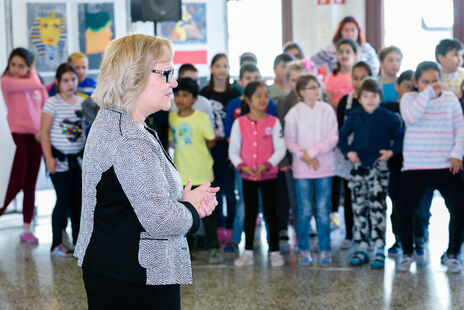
86 85
202 103
245 58
280 88
192 136
449 53
390 62
377 136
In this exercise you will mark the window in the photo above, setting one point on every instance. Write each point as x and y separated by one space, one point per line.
255 26
416 27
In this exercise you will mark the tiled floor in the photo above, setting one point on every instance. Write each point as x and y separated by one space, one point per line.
31 279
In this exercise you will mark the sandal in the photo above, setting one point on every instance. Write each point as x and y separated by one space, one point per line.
359 258
379 261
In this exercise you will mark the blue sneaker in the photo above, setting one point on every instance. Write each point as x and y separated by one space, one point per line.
394 250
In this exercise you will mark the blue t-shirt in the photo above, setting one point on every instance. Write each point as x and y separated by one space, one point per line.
84 89
389 92
233 111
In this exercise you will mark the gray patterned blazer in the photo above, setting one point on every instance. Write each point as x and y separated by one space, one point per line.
133 224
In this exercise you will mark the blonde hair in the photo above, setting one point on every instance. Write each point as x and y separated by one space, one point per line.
294 66
126 68
77 55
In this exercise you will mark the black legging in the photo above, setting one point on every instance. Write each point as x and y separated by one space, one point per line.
268 195
68 189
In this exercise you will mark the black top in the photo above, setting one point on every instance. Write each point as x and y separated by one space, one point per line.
342 110
219 102
396 162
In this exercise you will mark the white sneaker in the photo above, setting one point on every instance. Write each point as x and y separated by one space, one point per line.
66 241
453 264
245 260
405 263
277 260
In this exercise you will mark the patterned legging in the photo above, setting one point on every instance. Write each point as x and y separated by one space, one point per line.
369 187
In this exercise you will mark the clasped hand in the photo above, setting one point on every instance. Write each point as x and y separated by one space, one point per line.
203 198
311 162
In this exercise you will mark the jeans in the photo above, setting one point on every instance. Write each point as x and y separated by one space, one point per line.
239 210
224 175
305 190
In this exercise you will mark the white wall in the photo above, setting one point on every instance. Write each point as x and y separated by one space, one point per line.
314 25
3 44
20 31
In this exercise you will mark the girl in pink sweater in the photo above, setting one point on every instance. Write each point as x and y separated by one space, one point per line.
311 134
24 97
256 148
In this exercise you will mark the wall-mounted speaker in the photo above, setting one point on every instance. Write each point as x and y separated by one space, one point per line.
156 10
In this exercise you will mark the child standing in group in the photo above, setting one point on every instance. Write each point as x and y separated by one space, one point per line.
286 194
377 136
256 148
220 92
403 85
248 73
24 97
390 63
433 151
86 85
201 104
311 135
449 53
339 80
192 136
360 71
280 88
63 142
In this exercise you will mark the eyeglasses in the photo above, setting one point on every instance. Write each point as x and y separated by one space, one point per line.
167 74
311 88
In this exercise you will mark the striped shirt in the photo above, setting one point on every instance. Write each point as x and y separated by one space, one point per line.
434 130
66 134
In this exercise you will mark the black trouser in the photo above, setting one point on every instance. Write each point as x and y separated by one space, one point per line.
422 212
268 195
348 210
210 224
413 186
108 293
68 188
282 201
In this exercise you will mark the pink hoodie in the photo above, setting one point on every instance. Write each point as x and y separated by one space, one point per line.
24 99
314 129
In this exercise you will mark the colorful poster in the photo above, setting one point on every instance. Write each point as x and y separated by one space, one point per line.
192 27
46 24
96 30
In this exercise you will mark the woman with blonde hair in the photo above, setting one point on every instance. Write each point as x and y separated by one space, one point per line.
135 213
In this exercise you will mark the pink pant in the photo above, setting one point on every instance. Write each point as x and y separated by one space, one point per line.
24 173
